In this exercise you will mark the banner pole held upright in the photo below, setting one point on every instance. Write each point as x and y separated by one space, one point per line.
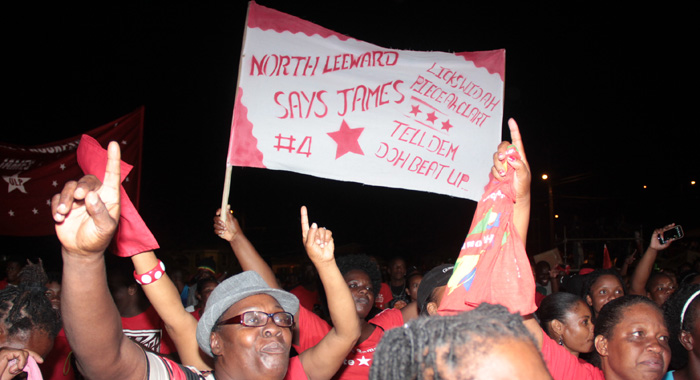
229 167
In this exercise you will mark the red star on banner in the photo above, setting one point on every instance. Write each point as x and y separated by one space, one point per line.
346 138
432 117
446 125
415 110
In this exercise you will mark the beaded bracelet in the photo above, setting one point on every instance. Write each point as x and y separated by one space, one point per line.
152 275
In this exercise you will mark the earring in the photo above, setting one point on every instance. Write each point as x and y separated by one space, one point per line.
561 341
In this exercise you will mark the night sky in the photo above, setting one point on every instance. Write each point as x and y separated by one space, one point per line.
603 96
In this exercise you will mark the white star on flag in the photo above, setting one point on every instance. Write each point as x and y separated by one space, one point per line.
63 166
35 211
16 182
12 213
363 361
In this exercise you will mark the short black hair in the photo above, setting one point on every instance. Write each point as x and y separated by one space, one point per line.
653 276
364 263
673 307
555 307
25 307
591 278
611 314
405 353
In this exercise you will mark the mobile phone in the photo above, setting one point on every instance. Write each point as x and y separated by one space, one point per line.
674 233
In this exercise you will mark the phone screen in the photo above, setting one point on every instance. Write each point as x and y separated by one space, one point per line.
674 233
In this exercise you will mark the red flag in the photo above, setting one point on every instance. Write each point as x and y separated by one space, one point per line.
607 263
132 237
31 175
492 266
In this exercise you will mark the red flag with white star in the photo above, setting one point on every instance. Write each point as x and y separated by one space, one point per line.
313 101
31 175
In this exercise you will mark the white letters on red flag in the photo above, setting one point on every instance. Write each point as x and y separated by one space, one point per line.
313 101
31 175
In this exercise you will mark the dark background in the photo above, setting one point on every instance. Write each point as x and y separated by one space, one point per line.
604 97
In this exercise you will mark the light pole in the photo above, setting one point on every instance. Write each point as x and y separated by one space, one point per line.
546 178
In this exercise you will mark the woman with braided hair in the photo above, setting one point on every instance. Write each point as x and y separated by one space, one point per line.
486 343
28 323
682 313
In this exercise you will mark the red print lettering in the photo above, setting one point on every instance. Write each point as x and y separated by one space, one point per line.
352 61
304 148
299 104
273 65
363 98
428 141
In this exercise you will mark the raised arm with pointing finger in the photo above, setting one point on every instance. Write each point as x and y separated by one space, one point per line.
86 215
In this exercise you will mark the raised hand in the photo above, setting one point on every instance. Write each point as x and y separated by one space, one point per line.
87 212
317 241
502 162
226 229
655 243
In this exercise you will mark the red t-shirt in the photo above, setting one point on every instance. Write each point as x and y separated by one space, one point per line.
383 297
196 314
564 366
148 330
356 365
307 298
57 364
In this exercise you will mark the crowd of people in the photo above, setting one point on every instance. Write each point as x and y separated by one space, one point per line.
107 317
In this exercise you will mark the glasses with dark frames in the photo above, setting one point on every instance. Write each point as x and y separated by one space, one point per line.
260 318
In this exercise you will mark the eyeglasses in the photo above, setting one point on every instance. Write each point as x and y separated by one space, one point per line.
260 318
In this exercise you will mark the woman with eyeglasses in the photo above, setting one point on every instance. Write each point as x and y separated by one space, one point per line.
246 326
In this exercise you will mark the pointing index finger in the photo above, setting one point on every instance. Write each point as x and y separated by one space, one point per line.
516 138
304 223
113 170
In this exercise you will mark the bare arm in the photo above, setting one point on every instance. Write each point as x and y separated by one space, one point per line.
646 263
324 359
86 215
521 182
245 252
521 211
181 325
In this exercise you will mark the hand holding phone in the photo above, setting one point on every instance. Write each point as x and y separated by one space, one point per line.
675 233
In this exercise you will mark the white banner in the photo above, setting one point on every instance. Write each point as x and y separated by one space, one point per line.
316 102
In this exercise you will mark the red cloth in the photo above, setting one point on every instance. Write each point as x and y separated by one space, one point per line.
383 297
57 364
307 298
492 266
356 365
564 366
196 314
132 237
31 175
148 330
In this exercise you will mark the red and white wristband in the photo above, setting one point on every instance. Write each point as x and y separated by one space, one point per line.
152 275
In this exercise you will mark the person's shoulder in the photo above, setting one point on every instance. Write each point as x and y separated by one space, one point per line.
387 319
